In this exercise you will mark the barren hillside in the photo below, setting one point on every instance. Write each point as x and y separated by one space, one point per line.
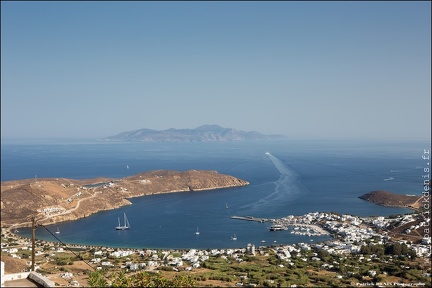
54 200
386 198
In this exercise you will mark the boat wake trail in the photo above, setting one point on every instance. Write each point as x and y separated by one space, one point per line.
287 174
287 188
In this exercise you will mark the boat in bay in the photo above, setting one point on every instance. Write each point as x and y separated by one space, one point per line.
126 223
276 227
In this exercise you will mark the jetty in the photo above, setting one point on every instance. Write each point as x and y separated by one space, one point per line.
299 225
250 218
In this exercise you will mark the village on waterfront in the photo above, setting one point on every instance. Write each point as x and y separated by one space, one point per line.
362 250
215 144
353 251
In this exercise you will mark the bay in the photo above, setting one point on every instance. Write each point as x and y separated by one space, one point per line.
288 177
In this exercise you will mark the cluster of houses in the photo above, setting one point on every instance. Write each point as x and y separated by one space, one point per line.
186 260
51 210
349 232
76 195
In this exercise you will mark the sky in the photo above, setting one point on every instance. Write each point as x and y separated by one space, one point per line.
316 70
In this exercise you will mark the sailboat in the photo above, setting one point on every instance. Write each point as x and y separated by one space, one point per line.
197 232
234 237
126 223
226 205
58 231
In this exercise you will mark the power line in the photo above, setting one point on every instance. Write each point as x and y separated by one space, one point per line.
65 245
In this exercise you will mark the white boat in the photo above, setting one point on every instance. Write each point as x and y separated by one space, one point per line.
234 237
58 231
197 232
226 205
276 227
126 223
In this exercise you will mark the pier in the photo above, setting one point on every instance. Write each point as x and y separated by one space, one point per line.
250 218
300 228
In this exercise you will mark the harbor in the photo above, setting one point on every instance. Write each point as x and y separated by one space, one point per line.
299 225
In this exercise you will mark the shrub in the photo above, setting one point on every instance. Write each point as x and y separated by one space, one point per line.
165 268
97 279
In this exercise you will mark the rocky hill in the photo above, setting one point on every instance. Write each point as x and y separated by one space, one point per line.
390 199
205 133
54 200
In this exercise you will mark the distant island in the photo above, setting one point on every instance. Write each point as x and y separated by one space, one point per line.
205 133
53 200
389 199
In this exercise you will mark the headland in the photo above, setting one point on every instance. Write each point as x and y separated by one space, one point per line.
53 200
389 199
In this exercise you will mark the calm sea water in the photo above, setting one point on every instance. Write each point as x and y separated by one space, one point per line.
287 177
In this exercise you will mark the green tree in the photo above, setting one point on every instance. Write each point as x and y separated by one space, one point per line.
342 269
143 279
120 279
183 281
324 255
365 250
97 279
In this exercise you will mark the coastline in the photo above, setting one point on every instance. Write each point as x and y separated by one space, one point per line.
95 256
389 199
58 200
301 222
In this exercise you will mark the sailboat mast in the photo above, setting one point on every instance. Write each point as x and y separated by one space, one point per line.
125 225
126 222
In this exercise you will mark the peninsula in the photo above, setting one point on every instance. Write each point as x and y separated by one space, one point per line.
389 199
54 200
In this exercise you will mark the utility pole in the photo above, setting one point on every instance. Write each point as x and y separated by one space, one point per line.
33 242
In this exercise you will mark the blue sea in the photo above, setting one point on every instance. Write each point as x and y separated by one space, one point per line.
287 177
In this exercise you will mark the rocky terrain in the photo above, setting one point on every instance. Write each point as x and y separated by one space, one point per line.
390 199
54 200
205 133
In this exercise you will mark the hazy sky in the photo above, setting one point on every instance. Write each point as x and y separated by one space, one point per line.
303 69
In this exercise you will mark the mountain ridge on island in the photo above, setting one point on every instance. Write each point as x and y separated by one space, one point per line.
204 133
53 200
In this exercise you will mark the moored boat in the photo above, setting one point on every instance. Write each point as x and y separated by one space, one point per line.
126 223
276 227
